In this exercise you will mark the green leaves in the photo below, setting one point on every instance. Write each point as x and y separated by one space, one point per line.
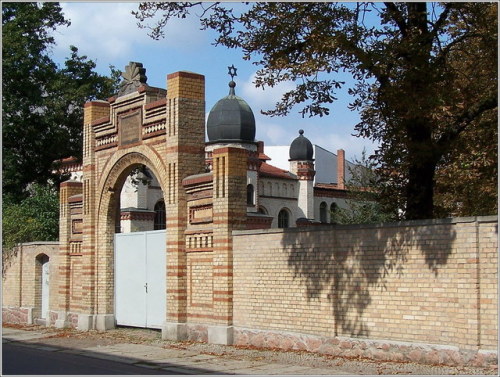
42 103
35 218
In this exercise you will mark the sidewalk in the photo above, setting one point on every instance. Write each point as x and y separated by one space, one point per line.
144 348
173 360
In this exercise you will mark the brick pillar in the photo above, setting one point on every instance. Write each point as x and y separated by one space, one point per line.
185 156
305 172
92 111
341 169
229 213
66 190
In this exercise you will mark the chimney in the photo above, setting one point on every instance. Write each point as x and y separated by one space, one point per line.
260 147
341 169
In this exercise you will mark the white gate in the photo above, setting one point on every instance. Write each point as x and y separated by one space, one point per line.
140 279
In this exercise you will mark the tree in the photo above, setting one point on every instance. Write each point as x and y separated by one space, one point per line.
35 218
364 204
42 103
467 178
410 90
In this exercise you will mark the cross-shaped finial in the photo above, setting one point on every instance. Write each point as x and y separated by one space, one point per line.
232 71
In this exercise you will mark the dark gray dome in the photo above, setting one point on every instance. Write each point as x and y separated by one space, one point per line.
231 119
301 148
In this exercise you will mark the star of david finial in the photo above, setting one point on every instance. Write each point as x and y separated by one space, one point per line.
232 71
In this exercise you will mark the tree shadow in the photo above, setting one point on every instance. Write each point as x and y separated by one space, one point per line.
345 263
9 257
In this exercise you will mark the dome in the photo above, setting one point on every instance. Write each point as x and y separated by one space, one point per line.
231 119
301 148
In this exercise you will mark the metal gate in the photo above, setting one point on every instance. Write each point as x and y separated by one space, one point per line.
140 279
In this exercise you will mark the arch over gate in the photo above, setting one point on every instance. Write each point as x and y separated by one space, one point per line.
113 177
141 126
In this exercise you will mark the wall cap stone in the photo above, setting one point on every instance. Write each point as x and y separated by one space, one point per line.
38 243
409 223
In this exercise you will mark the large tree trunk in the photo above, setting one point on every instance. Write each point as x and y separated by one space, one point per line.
420 190
422 161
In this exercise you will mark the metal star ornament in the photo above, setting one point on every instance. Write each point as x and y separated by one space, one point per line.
232 71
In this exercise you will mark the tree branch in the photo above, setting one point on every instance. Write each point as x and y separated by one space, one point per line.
442 18
397 18
466 118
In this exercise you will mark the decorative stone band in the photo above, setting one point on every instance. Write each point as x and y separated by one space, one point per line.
154 129
107 141
156 109
383 350
201 214
199 241
137 215
258 221
76 226
75 248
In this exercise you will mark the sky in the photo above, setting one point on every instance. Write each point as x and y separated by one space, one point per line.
107 33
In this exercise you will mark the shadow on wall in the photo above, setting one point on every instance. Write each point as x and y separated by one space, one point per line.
348 262
8 258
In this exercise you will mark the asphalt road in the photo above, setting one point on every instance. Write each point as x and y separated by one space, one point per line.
18 359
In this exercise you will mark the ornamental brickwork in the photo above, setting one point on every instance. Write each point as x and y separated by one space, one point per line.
165 131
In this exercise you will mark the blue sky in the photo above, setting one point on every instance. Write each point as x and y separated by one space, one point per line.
108 34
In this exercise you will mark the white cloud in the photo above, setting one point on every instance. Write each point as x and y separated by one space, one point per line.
108 32
271 134
105 30
352 145
264 99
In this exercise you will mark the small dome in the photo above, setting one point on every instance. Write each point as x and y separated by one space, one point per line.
231 119
301 148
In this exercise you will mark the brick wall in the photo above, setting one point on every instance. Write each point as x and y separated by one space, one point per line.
427 282
21 281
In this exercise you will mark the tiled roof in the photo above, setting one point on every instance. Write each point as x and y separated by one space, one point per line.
271 171
264 157
327 186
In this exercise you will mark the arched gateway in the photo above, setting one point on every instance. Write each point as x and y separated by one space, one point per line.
164 131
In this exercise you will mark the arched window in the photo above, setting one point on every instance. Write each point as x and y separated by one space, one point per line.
250 195
262 210
160 215
283 219
322 212
333 212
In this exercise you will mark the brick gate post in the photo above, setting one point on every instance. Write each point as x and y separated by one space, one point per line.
185 156
229 213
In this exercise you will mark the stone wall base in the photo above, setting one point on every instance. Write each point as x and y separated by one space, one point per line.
196 332
174 331
11 314
383 350
220 335
105 322
62 320
59 319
